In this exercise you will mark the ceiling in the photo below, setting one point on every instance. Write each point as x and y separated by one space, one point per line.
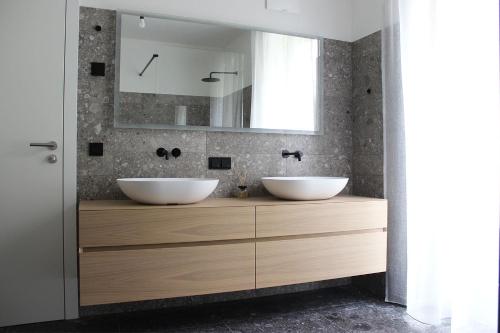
179 32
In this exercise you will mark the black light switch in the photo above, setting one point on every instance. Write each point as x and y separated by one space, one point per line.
213 163
219 163
225 163
96 149
97 68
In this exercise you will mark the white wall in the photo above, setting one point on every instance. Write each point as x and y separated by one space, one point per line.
325 18
367 17
179 69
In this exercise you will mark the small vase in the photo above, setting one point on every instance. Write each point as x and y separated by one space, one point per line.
243 192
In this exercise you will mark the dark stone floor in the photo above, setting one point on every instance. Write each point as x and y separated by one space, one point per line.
341 309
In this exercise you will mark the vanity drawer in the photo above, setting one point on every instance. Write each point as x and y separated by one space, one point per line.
292 261
157 226
302 219
143 274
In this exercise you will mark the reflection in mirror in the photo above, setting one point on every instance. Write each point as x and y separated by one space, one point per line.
285 80
181 74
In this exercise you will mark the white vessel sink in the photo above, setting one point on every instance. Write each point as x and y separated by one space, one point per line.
162 191
304 188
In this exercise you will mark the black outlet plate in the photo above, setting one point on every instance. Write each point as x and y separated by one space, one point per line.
96 149
219 163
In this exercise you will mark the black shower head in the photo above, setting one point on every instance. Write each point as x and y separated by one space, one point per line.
214 79
210 79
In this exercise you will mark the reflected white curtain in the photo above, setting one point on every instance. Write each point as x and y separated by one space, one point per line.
451 149
284 93
226 105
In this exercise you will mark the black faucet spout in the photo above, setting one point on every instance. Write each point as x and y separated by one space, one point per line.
297 154
162 152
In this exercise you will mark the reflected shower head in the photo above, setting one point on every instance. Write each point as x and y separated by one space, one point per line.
214 79
210 79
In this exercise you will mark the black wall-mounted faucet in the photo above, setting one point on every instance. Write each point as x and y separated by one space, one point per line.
297 154
162 152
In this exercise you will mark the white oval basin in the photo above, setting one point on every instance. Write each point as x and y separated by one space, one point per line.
304 188
162 191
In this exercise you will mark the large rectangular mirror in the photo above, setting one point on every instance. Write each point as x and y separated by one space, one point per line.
180 74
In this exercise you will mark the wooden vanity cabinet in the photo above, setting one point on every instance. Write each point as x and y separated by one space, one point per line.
132 252
121 227
291 261
163 272
319 217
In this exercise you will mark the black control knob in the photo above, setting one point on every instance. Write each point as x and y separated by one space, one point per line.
176 152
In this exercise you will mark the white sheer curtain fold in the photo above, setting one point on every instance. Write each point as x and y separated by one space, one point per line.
451 120
226 103
284 66
394 156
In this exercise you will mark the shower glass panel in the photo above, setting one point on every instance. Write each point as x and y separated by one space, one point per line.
181 74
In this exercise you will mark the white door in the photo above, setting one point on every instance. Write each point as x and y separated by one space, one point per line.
32 37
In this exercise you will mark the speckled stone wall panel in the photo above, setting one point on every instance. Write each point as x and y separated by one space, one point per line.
142 108
131 152
367 109
367 133
127 152
159 109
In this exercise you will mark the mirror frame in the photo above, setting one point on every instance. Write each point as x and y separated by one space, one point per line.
116 108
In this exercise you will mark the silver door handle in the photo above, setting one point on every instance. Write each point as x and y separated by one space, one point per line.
52 145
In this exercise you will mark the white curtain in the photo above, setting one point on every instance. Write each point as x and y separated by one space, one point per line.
226 102
394 156
451 119
284 92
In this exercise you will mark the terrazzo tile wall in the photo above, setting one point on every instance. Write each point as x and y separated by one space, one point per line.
367 111
131 152
367 134
142 108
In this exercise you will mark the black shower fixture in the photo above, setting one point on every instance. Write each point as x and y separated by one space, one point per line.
149 63
216 79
